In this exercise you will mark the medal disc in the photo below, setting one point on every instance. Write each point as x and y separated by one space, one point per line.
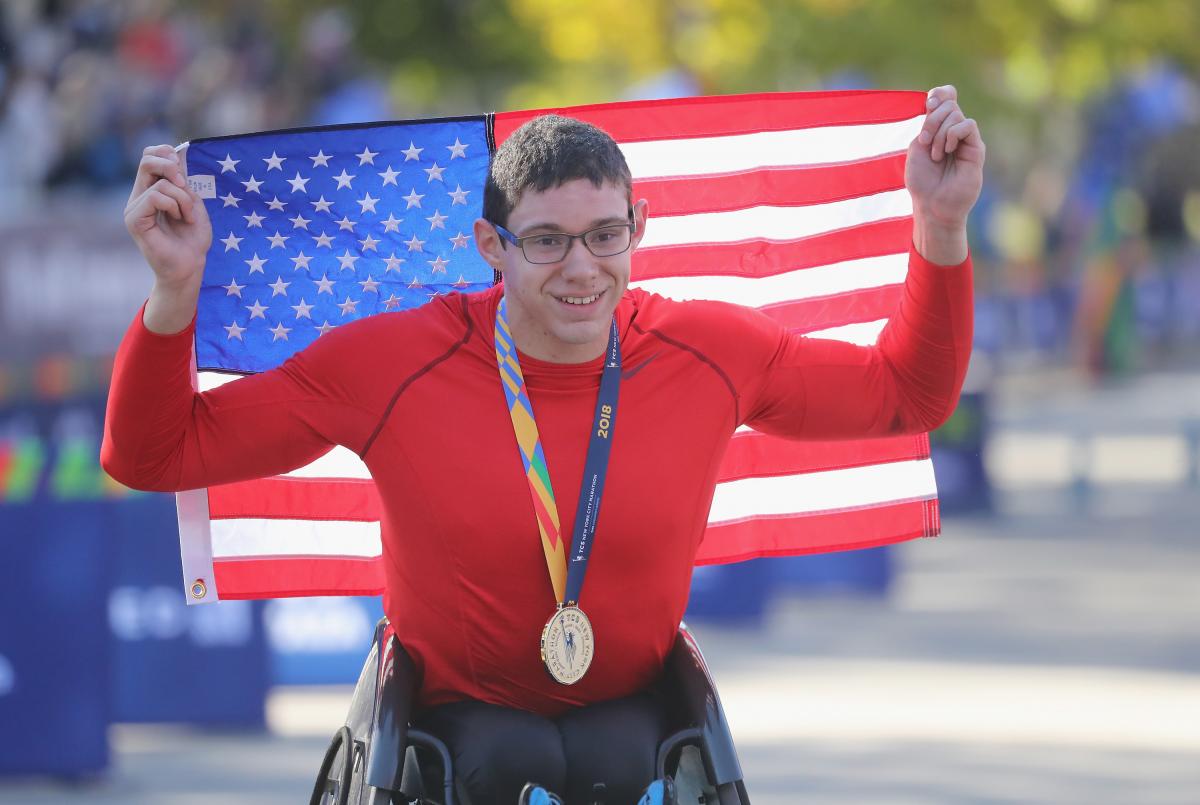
568 645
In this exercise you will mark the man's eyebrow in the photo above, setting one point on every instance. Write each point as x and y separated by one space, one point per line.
553 227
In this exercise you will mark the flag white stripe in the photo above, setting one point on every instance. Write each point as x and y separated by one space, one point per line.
807 283
733 500
699 156
340 462
207 381
775 223
246 538
823 491
864 334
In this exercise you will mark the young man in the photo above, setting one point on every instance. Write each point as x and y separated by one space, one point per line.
597 387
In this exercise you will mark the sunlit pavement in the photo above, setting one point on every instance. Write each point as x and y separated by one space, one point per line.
1048 655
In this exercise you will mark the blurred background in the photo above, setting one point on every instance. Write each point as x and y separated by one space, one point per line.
1045 649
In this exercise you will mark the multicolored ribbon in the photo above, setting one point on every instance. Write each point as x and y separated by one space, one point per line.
536 471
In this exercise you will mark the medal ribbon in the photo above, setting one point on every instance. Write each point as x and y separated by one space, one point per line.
567 585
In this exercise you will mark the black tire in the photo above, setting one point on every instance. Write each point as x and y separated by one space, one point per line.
343 739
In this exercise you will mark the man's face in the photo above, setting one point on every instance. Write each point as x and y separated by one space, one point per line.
561 311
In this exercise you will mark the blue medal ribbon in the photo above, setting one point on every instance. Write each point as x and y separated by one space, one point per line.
595 469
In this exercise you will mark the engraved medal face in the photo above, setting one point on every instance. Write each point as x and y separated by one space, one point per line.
568 645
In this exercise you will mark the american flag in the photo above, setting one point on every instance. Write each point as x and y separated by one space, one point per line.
792 203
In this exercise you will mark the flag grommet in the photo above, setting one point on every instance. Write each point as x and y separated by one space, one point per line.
199 589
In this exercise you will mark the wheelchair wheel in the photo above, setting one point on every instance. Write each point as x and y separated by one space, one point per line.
336 774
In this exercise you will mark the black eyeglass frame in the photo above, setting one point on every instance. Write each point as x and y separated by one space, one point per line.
519 242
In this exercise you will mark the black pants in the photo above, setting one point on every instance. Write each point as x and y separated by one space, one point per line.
497 750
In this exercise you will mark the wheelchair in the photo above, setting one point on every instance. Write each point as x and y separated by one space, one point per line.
376 758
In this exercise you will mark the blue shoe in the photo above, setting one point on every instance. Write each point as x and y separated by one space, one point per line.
659 792
534 794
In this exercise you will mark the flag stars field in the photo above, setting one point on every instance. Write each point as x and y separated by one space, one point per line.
358 180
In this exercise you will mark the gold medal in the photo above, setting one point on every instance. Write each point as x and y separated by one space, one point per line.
568 645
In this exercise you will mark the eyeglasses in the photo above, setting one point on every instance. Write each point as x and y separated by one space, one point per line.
552 247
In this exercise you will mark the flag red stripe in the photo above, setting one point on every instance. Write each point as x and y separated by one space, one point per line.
714 116
290 577
296 499
756 455
819 532
835 310
763 258
685 195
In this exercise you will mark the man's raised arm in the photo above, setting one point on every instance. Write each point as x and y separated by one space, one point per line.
158 432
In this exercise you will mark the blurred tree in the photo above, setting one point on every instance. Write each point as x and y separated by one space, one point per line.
1015 57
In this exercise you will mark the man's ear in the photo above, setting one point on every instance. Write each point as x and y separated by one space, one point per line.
488 242
641 211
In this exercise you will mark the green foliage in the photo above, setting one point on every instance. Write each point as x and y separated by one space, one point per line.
1013 58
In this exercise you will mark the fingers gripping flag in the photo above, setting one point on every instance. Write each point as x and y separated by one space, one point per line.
793 203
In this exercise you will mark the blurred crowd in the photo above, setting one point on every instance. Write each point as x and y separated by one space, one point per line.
86 84
1087 255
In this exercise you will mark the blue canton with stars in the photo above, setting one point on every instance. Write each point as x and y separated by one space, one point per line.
315 228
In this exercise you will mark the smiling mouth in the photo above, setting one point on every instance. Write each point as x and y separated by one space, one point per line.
579 300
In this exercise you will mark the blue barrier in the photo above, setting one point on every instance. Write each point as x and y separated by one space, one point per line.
958 457
865 572
735 592
202 664
320 641
54 642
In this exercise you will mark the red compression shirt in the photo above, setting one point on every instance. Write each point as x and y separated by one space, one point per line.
417 395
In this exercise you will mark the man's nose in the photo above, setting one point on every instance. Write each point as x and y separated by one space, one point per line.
578 260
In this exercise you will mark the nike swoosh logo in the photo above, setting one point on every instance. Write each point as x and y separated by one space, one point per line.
627 374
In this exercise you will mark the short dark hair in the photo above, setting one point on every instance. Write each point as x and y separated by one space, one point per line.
546 152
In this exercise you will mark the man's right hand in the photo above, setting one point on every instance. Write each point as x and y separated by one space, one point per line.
170 225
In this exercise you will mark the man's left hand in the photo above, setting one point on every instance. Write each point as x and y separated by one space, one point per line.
944 174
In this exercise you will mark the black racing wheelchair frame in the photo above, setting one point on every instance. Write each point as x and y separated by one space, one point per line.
376 758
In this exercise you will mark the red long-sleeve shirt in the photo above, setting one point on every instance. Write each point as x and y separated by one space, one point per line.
417 395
